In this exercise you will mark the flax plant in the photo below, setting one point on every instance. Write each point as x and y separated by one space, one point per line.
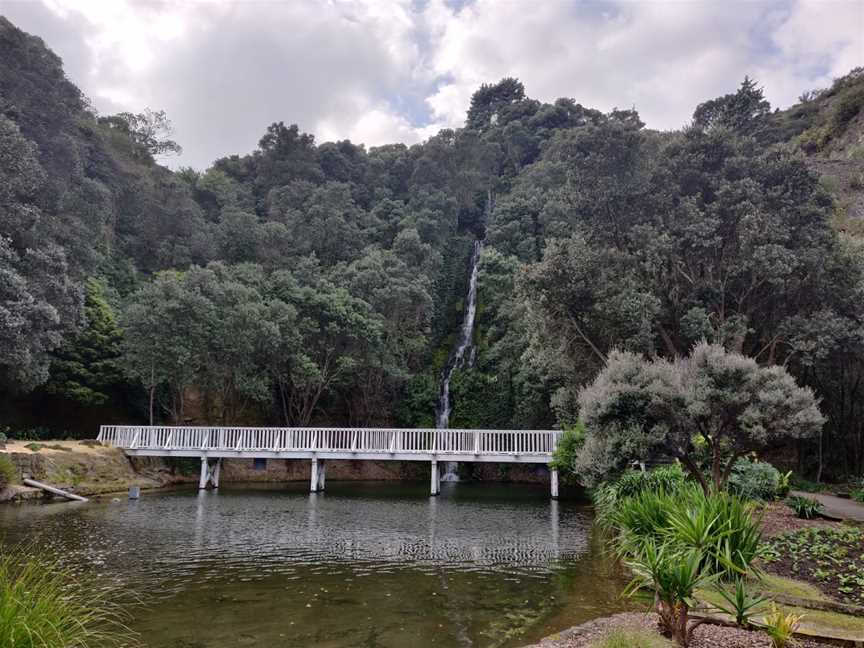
44 605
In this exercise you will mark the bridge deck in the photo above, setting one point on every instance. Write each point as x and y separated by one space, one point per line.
212 444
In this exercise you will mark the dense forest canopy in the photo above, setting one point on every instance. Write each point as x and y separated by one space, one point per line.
309 283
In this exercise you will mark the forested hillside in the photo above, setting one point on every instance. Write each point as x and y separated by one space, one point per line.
309 283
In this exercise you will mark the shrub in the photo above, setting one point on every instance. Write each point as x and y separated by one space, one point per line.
754 480
666 479
673 575
722 528
565 452
785 484
781 627
631 638
43 605
741 606
857 493
34 447
805 508
8 473
3 440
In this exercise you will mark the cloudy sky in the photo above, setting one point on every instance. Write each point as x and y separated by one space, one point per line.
379 71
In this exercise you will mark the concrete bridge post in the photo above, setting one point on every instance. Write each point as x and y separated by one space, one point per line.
435 479
318 476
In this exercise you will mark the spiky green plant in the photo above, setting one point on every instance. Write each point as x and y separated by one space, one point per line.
42 605
673 575
740 604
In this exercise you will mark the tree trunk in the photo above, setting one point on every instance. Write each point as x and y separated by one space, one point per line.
152 401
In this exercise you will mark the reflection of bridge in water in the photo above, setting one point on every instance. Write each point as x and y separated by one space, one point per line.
213 444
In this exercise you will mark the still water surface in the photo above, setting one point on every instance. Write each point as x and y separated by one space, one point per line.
362 565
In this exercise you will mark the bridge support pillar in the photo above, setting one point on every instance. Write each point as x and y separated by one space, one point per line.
435 479
319 473
553 479
210 470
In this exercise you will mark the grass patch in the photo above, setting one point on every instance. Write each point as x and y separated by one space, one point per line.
774 584
43 605
34 447
631 638
8 472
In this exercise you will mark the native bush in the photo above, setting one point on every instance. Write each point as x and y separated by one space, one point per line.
43 605
805 508
8 473
754 480
673 575
781 627
667 479
564 459
723 529
639 409
740 604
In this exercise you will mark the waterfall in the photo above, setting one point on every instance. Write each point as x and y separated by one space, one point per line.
459 357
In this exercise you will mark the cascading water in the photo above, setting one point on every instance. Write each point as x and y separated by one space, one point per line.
458 359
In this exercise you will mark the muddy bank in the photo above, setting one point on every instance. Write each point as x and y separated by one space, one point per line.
89 469
82 467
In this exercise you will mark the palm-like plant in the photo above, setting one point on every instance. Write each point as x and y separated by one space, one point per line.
742 606
673 575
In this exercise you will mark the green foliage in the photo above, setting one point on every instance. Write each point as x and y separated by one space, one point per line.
832 559
630 638
784 484
87 366
780 626
803 484
673 575
722 528
755 480
565 453
44 605
740 604
3 440
662 479
637 408
744 112
8 472
805 507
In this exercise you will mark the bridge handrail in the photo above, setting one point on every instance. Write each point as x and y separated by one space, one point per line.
323 439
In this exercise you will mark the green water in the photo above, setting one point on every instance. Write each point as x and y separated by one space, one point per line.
371 565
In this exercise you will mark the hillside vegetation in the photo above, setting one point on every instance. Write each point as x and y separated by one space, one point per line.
308 283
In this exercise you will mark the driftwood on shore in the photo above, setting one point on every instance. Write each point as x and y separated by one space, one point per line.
53 490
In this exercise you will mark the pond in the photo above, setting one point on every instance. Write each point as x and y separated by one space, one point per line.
364 564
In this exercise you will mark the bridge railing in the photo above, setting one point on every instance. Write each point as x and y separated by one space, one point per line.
374 440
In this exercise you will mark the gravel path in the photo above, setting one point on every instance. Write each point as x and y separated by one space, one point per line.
705 636
837 506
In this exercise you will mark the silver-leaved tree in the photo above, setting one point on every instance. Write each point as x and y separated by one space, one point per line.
706 410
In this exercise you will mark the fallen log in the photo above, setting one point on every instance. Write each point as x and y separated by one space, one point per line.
53 490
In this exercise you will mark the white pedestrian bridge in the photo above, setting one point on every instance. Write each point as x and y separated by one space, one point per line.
213 444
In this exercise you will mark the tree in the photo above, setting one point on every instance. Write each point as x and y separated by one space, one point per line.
638 409
335 330
87 366
163 327
490 99
39 302
743 112
148 131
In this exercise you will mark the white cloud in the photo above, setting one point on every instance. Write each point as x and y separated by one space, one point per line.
397 70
